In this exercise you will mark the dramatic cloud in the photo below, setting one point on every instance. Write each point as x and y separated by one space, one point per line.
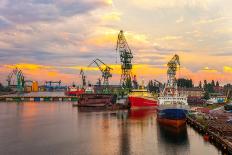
59 37
40 10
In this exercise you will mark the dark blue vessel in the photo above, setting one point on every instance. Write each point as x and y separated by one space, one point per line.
172 115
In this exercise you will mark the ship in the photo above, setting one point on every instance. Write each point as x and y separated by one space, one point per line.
142 99
173 106
73 91
172 114
92 99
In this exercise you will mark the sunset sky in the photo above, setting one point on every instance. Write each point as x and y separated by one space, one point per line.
53 39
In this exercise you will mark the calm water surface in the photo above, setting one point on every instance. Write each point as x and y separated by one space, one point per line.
60 129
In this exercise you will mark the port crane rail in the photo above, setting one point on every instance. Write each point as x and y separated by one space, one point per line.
104 70
125 58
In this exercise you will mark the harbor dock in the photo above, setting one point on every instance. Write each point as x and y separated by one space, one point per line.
214 128
38 97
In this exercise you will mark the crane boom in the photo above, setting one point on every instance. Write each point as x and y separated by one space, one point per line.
125 58
104 70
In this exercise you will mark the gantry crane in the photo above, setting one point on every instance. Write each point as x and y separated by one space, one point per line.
125 58
171 86
105 70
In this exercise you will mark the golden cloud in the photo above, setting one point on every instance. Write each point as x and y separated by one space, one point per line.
227 69
113 16
143 71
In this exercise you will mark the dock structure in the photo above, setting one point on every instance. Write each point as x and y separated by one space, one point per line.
219 134
38 97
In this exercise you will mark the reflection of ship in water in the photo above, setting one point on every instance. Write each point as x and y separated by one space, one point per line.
124 143
141 114
91 109
175 139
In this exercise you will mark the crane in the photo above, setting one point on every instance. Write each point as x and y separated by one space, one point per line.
171 86
19 77
125 58
172 68
104 70
83 77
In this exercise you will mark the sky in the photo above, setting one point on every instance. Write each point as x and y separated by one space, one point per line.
53 39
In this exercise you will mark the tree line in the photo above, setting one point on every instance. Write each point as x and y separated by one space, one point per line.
4 88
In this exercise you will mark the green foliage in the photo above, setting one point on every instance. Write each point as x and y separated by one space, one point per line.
213 83
206 95
217 84
200 84
185 83
127 84
209 87
153 87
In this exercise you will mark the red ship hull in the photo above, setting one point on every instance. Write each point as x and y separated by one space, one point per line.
141 102
74 93
173 123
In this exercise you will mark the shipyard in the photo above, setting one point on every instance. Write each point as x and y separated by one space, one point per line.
106 77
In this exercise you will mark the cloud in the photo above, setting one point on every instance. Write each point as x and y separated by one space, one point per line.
69 34
4 22
227 69
180 20
207 69
112 16
212 20
68 74
167 4
168 38
45 10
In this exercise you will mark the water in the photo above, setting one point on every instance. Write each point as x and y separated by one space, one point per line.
60 129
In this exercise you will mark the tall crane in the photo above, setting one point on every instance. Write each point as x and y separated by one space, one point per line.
171 86
83 77
125 58
104 70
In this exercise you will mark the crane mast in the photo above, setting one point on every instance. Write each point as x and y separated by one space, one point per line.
125 58
104 70
171 86
83 77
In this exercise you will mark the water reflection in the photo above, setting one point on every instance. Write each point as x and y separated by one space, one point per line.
141 114
124 142
59 129
175 139
172 135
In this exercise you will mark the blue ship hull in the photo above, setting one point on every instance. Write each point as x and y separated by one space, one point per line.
172 113
172 116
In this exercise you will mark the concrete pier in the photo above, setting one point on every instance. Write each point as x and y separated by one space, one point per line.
38 97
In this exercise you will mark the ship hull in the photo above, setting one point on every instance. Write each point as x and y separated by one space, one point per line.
175 117
95 100
74 93
142 103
